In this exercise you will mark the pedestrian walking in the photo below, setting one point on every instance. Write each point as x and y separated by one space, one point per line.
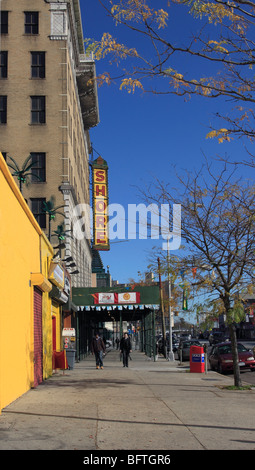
117 343
125 349
98 348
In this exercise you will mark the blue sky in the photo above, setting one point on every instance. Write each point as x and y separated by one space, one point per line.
142 135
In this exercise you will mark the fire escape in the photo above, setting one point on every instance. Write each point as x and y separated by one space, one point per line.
87 88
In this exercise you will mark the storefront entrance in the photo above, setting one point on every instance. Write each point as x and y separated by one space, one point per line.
119 304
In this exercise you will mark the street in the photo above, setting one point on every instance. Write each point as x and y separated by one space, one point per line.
248 376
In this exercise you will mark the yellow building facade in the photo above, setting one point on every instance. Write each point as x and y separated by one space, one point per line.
25 257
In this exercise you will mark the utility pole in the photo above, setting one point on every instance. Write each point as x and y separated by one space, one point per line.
171 354
162 310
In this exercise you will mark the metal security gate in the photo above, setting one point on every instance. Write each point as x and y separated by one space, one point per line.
38 352
149 334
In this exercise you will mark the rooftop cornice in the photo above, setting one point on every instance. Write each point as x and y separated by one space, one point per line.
74 5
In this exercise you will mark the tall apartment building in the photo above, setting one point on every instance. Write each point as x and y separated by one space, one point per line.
48 103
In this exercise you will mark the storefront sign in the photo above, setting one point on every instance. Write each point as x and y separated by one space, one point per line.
100 204
68 332
105 298
128 298
56 275
115 298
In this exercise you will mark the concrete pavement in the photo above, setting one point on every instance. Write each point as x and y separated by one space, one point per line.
150 405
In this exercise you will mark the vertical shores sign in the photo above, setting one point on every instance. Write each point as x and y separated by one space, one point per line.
100 204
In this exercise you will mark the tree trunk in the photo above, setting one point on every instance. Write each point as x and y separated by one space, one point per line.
232 329
236 368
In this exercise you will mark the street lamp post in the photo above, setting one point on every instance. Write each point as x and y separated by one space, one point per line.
171 354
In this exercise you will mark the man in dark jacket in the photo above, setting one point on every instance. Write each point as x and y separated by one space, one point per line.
125 349
98 348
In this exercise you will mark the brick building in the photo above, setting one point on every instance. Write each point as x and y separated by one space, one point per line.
47 106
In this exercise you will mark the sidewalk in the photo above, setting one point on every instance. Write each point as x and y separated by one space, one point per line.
150 405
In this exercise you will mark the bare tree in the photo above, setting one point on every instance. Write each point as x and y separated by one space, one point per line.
218 230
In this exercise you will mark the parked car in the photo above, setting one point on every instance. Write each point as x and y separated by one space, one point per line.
218 337
185 346
175 344
221 358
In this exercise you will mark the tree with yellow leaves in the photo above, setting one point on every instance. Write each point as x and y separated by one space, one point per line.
223 45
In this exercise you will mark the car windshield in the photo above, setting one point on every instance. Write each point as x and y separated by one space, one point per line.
241 348
226 348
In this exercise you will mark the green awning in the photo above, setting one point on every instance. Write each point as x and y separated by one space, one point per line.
84 298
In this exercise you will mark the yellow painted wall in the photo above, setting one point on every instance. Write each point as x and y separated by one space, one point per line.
24 253
46 252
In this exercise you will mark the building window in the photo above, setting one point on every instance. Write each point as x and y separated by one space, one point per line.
3 109
37 64
38 112
31 22
3 64
37 209
38 169
4 22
